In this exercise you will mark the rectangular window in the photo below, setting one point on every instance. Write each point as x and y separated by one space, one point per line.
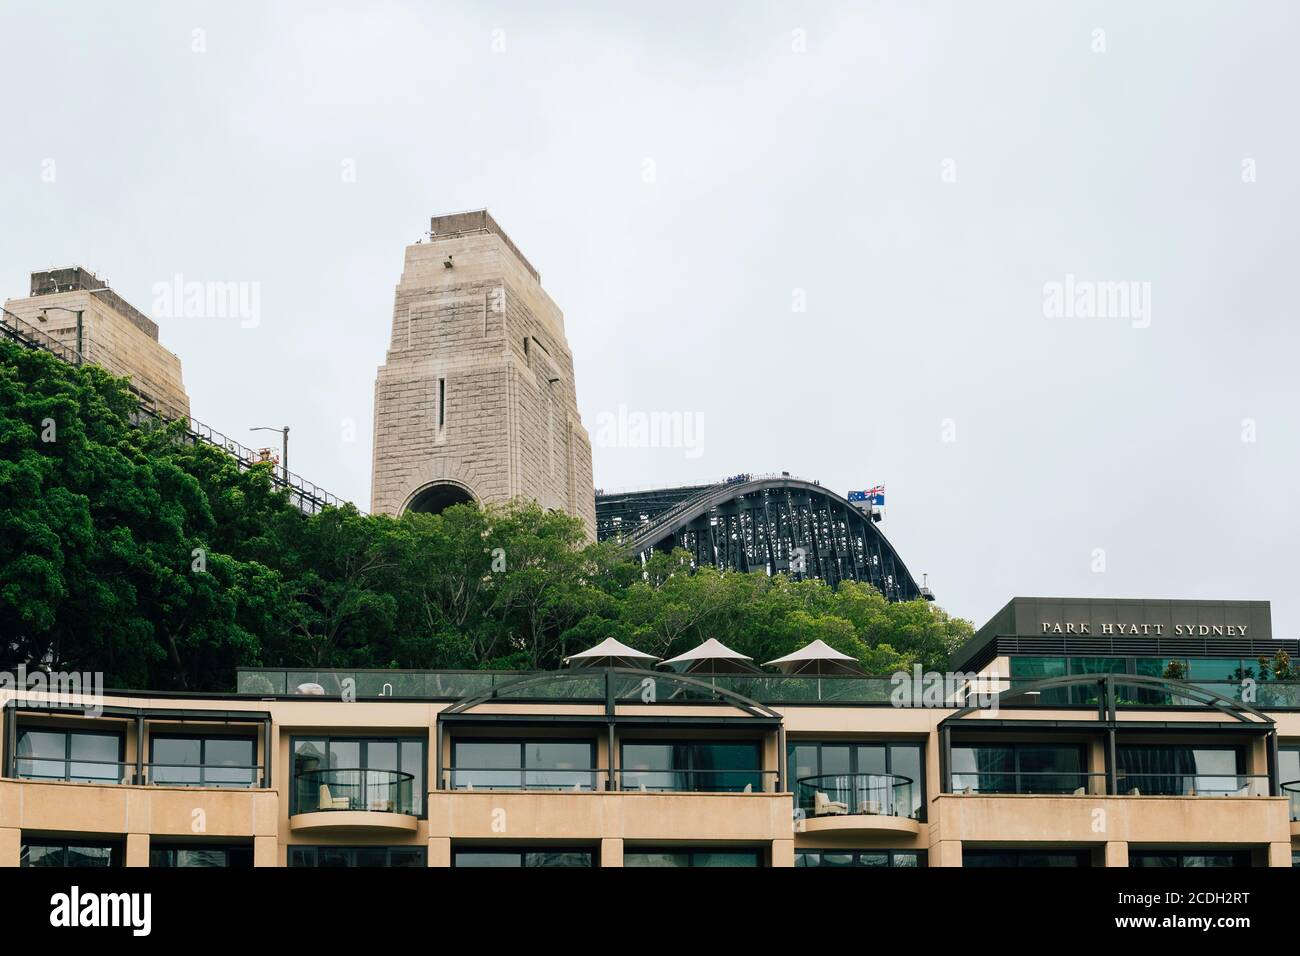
1193 860
520 858
182 761
350 773
78 756
1025 858
358 856
692 766
1021 768
693 858
1288 774
67 853
860 858
1186 771
442 402
884 778
199 855
524 764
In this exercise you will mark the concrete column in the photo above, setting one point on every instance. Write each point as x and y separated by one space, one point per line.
440 851
945 853
1116 853
137 849
782 853
1279 854
11 842
266 851
611 852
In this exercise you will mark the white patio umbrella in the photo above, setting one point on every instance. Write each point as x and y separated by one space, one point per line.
817 659
611 653
712 657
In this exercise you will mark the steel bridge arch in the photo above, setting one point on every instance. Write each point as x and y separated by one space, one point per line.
779 524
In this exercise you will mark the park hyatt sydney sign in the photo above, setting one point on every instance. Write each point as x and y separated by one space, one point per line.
1156 630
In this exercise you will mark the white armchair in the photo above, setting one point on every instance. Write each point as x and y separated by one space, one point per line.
824 806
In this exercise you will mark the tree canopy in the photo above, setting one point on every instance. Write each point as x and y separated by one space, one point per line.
130 550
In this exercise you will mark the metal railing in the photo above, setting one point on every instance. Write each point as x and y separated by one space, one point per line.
1042 782
1263 694
596 779
382 791
73 770
1192 784
766 688
308 496
589 779
234 776
844 794
1291 790
697 781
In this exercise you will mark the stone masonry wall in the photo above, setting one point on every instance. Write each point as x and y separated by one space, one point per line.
488 331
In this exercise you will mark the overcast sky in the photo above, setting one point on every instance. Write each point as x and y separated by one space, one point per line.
826 231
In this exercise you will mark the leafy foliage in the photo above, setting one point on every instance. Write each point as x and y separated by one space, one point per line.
128 550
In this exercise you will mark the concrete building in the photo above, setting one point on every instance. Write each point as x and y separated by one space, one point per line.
476 400
76 308
1100 765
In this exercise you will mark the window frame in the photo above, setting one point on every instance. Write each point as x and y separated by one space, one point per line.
68 759
364 740
854 744
258 773
691 771
523 743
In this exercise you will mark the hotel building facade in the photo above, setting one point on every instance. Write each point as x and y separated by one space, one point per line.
1083 733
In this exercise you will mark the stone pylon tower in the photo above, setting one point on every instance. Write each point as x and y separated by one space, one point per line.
476 400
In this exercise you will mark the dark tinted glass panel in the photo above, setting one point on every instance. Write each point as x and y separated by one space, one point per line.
905 761
656 859
176 761
560 764
236 857
488 764
564 858
69 755
346 856
1019 858
47 854
983 769
229 763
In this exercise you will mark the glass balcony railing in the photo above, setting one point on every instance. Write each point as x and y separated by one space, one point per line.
778 689
1291 790
1192 784
203 775
697 781
497 778
1042 782
376 791
882 794
74 771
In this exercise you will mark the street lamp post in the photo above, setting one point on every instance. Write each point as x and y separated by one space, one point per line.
79 313
284 453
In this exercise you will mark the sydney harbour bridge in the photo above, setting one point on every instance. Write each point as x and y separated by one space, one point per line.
769 523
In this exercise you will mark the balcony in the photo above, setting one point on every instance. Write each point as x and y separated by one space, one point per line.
1192 784
353 800
856 802
697 781
1291 790
1045 782
596 779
